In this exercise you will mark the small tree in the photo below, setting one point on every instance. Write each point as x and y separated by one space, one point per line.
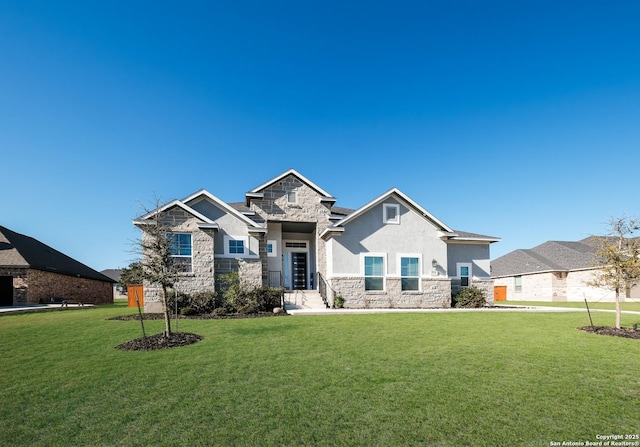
131 275
157 262
618 257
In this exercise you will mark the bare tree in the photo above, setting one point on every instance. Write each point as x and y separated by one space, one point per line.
619 259
157 263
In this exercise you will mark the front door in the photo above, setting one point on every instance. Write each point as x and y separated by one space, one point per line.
6 290
299 270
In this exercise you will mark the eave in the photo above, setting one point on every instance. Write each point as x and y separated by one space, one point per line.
331 232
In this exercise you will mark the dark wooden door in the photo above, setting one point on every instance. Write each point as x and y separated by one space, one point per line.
299 261
6 290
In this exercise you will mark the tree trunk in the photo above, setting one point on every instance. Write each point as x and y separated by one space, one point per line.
618 308
167 315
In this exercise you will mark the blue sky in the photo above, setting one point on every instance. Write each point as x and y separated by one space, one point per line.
513 119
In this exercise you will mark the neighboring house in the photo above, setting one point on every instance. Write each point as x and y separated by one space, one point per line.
32 273
553 271
115 274
287 233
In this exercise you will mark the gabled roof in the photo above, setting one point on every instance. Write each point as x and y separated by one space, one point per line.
257 191
18 250
206 222
229 208
143 220
403 198
550 256
397 194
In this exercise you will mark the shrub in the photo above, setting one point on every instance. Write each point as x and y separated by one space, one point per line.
470 297
338 302
199 303
203 302
181 298
237 297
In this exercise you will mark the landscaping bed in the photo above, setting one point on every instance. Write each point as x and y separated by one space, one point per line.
210 316
624 332
159 341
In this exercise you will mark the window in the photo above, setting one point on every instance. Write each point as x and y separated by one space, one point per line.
373 273
180 249
272 249
292 196
410 273
296 245
518 283
464 273
236 246
391 213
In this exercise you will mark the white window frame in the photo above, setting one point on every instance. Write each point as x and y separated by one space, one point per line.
385 213
384 269
244 239
274 248
292 196
183 257
419 277
459 267
517 283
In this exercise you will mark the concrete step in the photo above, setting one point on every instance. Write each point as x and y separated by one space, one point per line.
303 299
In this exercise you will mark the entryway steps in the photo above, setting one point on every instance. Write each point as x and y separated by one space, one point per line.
303 299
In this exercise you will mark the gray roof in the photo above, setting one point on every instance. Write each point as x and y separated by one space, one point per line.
556 256
338 210
466 235
18 250
114 274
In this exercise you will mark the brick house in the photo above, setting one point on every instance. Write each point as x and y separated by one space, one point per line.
553 271
288 233
33 273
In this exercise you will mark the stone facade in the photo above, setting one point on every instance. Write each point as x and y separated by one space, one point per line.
282 224
202 275
435 293
486 286
32 286
308 207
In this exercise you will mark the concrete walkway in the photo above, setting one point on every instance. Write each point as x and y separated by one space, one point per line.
498 308
40 308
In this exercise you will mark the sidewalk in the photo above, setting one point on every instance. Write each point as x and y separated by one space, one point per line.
40 308
498 308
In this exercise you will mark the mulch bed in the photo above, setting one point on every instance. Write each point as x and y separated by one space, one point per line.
159 341
176 339
160 316
624 332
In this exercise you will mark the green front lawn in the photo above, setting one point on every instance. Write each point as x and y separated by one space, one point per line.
629 305
443 379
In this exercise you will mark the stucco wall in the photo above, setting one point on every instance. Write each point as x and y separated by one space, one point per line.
476 254
369 234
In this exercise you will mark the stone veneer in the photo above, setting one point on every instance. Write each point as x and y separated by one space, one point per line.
435 293
308 208
202 276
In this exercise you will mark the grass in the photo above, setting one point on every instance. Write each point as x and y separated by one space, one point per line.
443 379
633 306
